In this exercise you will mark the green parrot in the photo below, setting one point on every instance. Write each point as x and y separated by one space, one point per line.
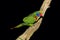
30 19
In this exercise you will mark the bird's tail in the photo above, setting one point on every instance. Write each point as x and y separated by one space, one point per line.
20 25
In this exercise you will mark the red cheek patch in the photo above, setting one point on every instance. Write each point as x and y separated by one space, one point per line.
41 14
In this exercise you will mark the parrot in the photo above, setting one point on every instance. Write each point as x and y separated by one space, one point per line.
30 19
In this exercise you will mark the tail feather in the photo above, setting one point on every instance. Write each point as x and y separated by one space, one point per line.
20 25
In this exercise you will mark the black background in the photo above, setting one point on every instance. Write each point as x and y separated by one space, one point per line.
12 13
